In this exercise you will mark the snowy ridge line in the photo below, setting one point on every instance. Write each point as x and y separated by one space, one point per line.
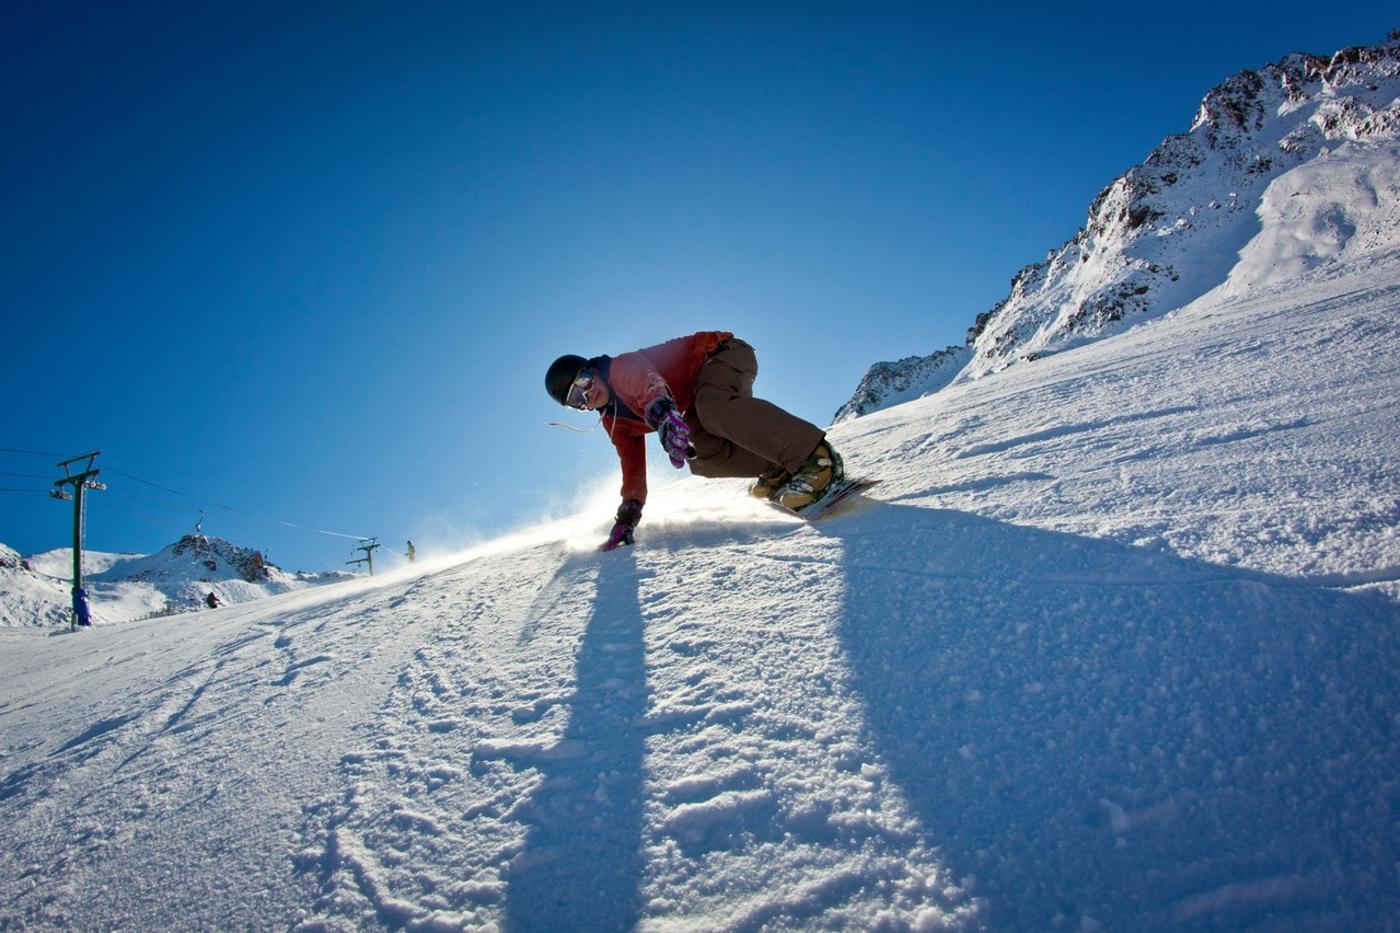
1288 171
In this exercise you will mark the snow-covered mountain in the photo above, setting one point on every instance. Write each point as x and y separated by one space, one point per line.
123 587
27 596
891 383
1285 169
1114 646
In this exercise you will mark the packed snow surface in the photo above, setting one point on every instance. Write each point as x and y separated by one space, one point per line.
1115 645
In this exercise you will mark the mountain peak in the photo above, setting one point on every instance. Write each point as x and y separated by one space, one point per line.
1174 227
1164 232
219 558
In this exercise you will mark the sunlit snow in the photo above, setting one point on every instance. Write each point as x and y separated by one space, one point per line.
1114 645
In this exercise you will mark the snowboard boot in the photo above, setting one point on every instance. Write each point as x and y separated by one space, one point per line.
822 468
769 482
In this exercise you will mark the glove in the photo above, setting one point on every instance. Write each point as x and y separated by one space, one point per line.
674 432
628 514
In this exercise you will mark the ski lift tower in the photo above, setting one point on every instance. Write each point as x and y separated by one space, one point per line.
369 546
79 478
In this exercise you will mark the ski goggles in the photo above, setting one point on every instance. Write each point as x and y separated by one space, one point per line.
577 396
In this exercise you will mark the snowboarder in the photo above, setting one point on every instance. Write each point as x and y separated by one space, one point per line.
212 600
411 552
696 392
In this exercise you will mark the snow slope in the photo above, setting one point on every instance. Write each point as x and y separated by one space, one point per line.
29 596
1115 645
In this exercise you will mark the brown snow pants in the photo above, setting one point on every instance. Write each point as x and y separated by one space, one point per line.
735 434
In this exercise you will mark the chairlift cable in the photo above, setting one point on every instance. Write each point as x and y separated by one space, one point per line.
32 453
144 518
229 508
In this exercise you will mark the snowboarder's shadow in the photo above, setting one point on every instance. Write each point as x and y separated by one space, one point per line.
1091 729
581 866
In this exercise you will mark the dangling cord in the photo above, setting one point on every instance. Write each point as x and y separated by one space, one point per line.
570 427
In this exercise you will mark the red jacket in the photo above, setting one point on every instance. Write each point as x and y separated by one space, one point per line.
636 380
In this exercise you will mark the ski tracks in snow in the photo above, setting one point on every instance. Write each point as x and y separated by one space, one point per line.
192 773
906 717
584 743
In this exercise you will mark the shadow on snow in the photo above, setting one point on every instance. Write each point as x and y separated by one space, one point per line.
1095 732
582 864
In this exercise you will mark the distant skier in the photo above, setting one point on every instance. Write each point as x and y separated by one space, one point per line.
82 615
212 600
696 392
411 553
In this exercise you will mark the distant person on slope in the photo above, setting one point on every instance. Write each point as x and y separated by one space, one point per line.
696 392
82 615
212 600
411 553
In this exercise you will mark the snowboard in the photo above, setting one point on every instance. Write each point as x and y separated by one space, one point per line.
839 492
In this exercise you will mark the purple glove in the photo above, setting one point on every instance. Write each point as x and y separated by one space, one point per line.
628 514
674 432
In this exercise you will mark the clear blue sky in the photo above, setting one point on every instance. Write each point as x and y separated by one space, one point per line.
309 261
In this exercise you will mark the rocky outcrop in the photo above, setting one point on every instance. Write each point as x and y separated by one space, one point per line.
219 559
10 559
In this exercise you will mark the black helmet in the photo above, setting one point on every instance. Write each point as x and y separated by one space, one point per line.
561 375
